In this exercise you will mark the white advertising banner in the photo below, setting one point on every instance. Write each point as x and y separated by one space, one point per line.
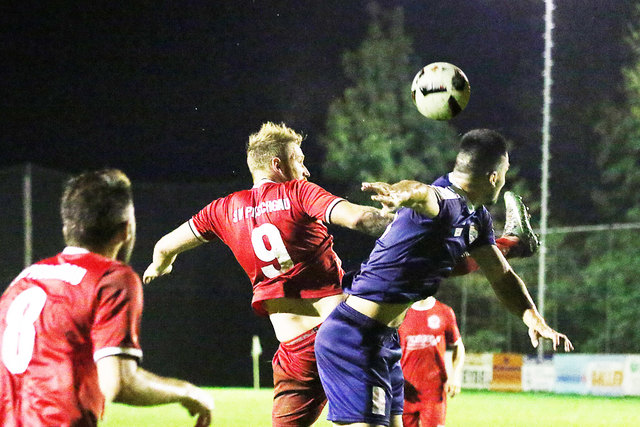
605 374
631 380
478 371
596 374
538 375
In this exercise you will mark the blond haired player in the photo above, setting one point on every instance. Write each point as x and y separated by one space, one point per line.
277 232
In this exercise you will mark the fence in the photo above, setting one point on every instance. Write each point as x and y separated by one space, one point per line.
592 294
594 374
198 323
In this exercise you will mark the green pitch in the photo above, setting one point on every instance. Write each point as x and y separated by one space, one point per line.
239 407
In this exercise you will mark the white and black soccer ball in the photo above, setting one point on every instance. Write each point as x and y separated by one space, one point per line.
440 91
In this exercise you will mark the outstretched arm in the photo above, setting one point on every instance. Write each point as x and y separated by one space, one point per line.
367 219
412 194
167 249
122 381
513 294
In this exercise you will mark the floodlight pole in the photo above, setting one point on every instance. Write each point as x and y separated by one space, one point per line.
546 136
27 215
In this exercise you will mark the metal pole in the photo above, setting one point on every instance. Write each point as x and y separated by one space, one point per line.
27 213
256 351
463 309
546 122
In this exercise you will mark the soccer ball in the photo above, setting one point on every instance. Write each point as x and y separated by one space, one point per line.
440 91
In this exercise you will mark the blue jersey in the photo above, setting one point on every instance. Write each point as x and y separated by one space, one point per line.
415 252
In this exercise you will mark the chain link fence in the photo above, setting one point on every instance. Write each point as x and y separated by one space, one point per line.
198 323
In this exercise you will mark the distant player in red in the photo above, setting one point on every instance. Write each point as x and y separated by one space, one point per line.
277 232
427 329
69 325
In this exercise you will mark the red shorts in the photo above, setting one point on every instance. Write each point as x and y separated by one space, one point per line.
298 396
430 413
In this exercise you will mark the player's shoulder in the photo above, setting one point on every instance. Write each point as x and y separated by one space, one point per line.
441 305
115 271
300 184
104 271
122 268
442 188
443 308
301 189
443 193
124 273
85 258
484 212
227 203
236 195
93 271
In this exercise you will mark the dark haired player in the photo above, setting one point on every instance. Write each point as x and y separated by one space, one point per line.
357 347
69 325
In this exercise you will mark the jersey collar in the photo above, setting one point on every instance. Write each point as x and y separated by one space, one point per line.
262 181
424 306
460 192
74 250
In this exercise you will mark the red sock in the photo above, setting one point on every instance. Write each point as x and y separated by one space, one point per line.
468 265
465 266
505 243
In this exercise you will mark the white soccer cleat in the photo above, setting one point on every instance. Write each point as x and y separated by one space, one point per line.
517 224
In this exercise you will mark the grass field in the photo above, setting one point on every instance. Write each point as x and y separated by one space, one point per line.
240 407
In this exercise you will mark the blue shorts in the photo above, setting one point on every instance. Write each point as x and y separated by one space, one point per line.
359 363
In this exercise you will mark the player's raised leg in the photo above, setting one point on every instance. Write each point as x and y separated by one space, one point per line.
518 239
517 228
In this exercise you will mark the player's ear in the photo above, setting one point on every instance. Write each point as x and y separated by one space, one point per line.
124 232
275 164
493 178
130 230
277 167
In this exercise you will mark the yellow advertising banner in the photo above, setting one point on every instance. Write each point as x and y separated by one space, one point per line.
507 372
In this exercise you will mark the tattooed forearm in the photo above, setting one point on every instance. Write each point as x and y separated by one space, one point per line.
374 221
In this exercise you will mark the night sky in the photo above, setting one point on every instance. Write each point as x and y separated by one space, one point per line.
170 92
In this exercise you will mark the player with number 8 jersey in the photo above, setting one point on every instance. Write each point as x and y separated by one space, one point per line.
69 324
95 310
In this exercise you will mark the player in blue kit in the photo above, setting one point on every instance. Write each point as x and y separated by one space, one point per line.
357 347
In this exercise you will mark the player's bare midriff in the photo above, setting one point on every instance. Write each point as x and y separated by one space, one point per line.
292 317
385 313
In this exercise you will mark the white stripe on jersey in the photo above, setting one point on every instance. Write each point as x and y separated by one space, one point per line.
68 273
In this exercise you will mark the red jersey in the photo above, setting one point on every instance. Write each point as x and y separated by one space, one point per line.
276 232
57 318
424 336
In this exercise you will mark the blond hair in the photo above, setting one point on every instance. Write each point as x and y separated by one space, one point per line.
272 140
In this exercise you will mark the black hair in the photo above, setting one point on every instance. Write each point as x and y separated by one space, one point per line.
481 151
94 207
